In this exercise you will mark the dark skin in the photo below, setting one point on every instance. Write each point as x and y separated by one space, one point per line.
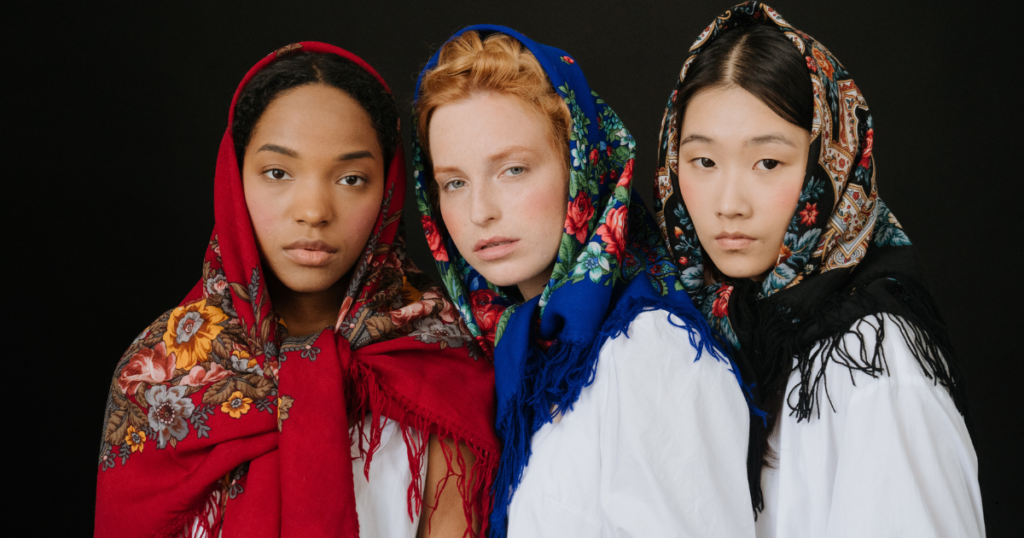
313 175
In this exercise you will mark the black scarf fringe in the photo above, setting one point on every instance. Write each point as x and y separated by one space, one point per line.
777 337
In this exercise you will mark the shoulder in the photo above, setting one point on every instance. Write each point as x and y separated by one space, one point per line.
660 342
884 346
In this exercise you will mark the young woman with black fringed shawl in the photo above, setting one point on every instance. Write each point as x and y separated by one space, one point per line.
768 198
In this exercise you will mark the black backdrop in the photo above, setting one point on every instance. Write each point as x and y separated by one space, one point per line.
119 111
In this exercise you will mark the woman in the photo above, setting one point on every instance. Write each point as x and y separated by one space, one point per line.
309 347
610 424
769 203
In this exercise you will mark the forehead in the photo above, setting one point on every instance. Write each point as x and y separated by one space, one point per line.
487 121
731 113
316 115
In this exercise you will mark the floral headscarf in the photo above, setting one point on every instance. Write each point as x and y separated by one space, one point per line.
216 420
844 256
611 265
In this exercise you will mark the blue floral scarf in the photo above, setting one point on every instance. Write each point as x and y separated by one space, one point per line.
611 266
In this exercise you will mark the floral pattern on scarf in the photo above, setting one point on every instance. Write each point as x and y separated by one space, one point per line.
839 214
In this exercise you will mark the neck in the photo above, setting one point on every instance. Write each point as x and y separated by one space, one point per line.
535 285
307 312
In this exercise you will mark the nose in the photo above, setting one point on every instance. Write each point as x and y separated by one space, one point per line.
311 203
484 205
734 198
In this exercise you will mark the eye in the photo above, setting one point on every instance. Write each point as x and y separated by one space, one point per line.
351 181
454 184
704 162
276 174
766 164
516 170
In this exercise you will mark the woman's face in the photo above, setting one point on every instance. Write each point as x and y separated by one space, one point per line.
502 184
741 169
314 179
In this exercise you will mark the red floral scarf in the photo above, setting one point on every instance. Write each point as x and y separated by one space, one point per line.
216 421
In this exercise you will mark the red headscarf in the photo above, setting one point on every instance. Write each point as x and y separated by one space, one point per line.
214 417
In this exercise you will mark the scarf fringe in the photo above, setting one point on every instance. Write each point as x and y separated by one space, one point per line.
205 520
782 336
553 381
370 401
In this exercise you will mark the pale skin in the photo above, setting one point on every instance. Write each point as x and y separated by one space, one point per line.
502 184
741 169
313 175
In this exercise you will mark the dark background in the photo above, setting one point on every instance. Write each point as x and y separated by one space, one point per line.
118 113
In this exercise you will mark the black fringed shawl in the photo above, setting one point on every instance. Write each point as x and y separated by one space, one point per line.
844 258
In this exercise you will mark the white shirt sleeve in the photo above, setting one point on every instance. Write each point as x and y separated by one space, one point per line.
893 459
673 437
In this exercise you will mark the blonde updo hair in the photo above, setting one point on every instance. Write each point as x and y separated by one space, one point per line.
499 63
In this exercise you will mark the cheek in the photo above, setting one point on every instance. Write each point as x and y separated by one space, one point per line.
778 203
358 219
543 209
265 214
698 199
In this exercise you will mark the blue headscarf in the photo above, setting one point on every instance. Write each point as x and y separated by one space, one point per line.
612 264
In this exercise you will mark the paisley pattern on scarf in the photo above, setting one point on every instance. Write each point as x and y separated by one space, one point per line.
219 371
611 265
839 214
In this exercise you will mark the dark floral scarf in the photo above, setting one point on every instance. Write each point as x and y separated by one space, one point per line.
216 420
844 256
611 266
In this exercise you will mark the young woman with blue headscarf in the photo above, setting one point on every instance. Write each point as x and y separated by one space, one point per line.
618 412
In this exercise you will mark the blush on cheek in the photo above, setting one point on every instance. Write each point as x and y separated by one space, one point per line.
264 218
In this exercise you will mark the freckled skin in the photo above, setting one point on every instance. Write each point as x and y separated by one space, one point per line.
312 195
500 174
734 184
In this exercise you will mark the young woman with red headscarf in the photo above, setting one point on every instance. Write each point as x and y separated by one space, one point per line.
309 348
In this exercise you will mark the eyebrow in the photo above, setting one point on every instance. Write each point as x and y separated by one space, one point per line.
279 149
363 154
696 138
438 170
774 138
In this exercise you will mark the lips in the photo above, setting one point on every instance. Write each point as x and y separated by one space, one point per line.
310 253
494 248
733 240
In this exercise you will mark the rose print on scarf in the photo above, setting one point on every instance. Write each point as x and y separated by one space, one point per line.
613 231
203 376
865 152
720 307
149 365
577 218
434 239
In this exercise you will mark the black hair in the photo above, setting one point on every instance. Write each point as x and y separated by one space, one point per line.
301 68
760 59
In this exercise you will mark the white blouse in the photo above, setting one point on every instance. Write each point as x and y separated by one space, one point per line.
893 459
655 446
381 502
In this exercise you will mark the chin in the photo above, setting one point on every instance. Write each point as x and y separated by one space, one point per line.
739 268
310 281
